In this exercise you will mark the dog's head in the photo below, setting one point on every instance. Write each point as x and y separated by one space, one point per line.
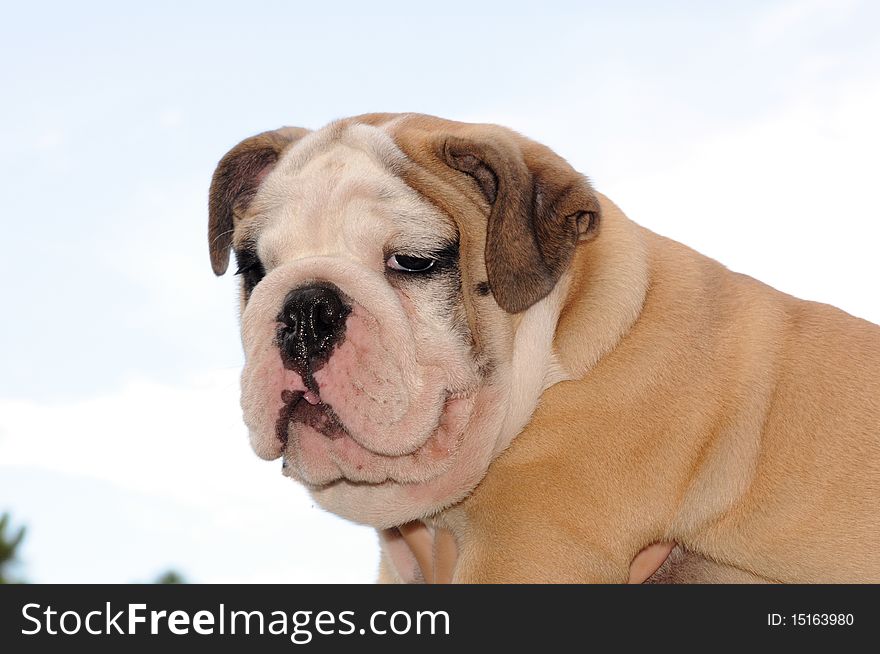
400 289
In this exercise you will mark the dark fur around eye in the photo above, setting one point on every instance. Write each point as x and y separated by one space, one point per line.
445 258
249 267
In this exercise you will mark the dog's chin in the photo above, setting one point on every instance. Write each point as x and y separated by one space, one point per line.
320 451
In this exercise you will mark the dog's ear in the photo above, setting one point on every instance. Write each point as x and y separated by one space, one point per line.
235 182
540 209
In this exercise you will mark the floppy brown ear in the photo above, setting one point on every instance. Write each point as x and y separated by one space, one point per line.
235 182
540 208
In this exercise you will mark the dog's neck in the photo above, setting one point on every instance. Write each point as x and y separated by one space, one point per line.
592 307
609 281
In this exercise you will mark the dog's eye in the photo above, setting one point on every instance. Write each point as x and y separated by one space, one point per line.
405 263
250 268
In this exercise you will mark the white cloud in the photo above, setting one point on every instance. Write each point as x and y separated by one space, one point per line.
789 199
125 437
800 17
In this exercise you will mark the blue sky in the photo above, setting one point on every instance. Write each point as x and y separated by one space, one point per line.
746 130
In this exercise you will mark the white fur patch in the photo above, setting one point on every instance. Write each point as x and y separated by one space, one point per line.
534 367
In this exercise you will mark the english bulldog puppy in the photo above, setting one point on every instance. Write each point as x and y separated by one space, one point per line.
452 337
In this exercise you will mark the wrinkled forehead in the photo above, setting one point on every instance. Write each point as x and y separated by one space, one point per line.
339 191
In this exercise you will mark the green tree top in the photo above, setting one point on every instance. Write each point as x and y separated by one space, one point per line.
9 543
170 577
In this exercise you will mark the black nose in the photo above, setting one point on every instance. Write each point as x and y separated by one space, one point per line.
313 319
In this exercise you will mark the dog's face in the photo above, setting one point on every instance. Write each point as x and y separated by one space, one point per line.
400 286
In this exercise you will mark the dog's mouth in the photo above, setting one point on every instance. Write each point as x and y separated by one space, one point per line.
305 407
318 450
